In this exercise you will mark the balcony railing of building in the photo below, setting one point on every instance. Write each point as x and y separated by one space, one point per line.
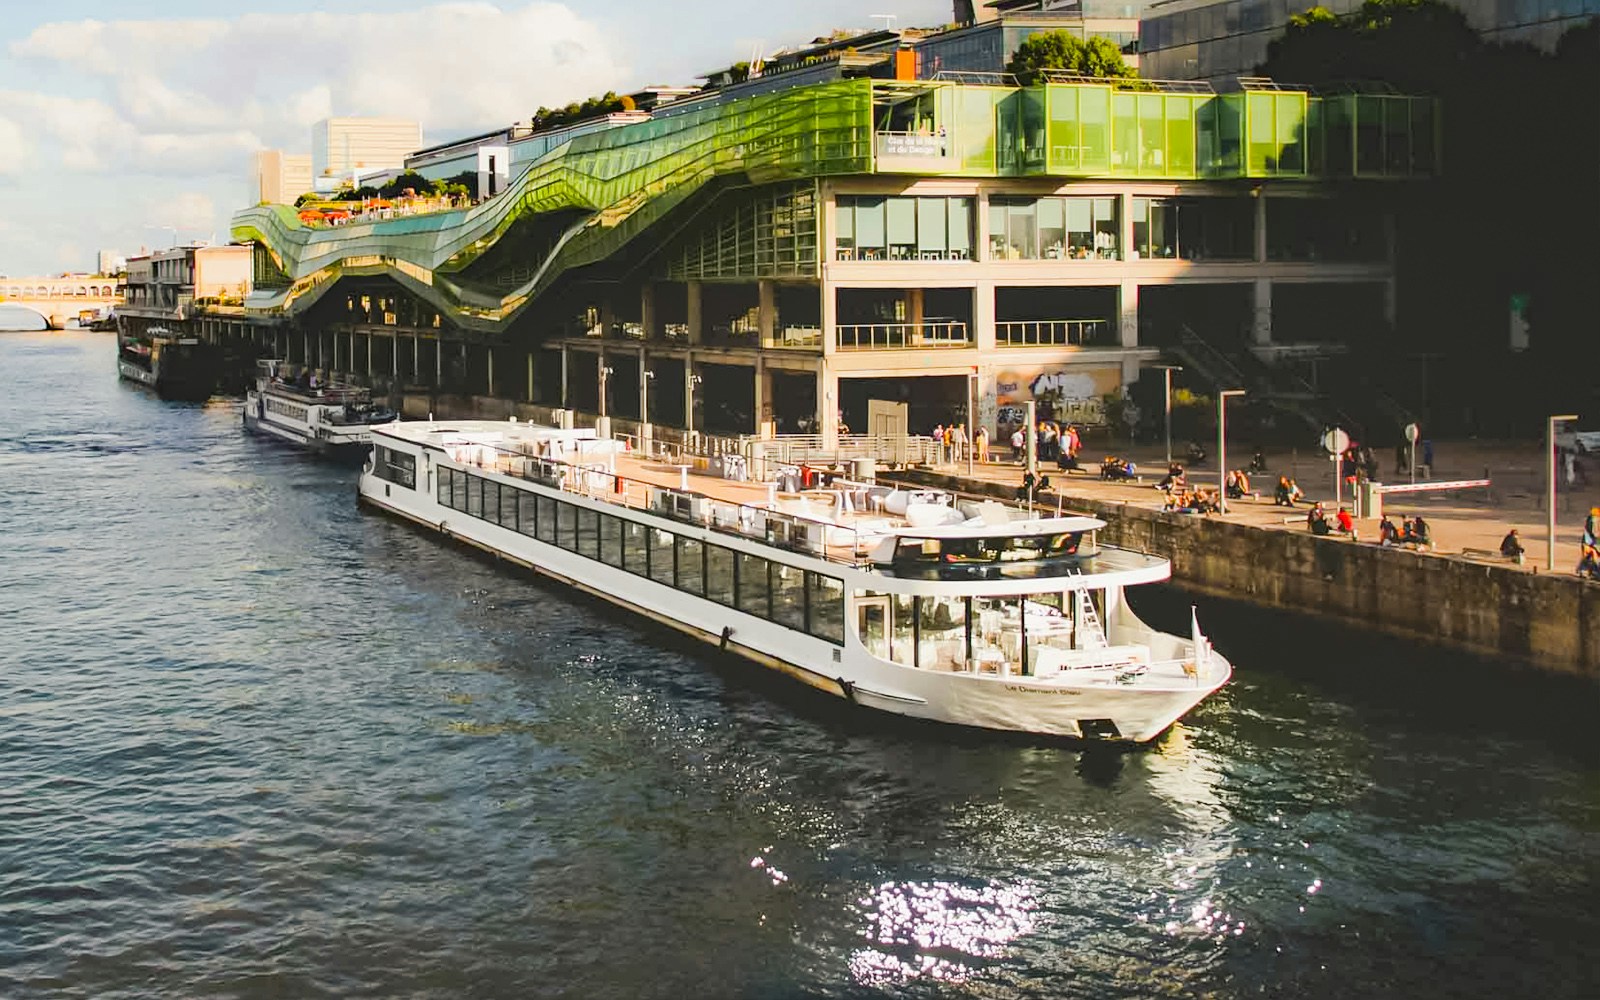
1052 333
895 336
899 251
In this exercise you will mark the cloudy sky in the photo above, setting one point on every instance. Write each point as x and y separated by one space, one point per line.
124 123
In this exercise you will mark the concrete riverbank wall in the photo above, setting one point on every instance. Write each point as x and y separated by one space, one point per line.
1547 622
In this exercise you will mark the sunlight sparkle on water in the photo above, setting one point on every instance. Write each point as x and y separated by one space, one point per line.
926 930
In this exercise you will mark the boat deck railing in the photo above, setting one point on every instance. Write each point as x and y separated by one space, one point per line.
830 540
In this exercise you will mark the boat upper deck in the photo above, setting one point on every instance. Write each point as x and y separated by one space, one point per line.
918 534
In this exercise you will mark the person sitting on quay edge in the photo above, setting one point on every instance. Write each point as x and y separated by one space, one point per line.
1511 546
1418 533
1589 564
1173 479
1238 485
1032 484
1317 520
1287 493
1388 534
1206 502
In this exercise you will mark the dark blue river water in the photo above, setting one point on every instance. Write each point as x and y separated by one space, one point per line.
257 743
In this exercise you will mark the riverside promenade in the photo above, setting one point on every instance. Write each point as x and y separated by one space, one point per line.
1461 595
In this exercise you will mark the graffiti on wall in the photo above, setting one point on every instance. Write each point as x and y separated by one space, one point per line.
1065 394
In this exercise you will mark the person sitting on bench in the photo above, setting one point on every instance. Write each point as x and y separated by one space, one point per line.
1511 546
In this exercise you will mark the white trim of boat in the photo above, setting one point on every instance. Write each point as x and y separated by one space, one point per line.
991 618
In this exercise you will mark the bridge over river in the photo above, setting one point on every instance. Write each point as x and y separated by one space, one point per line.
62 298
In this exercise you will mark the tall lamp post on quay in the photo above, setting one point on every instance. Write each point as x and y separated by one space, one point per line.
1222 446
1166 381
1550 484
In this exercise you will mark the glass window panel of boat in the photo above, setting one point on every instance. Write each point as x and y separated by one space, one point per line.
996 632
474 496
661 556
754 588
566 526
942 627
508 506
491 500
443 485
527 512
872 622
458 489
691 570
610 540
588 533
825 607
635 558
789 596
719 574
903 629
546 523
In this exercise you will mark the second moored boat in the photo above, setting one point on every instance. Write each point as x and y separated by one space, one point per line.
332 420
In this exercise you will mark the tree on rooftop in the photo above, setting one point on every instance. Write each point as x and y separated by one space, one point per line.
1097 57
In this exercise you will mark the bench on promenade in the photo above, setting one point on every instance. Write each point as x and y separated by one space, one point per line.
1493 555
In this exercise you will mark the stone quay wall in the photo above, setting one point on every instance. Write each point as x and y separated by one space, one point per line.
1547 622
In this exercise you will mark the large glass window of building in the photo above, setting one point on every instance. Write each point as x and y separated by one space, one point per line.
872 227
1052 228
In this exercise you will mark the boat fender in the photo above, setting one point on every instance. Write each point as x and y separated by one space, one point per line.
848 689
727 631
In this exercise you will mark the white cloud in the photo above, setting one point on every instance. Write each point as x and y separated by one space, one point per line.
179 104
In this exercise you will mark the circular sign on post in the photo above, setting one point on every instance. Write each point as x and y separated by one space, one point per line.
1412 433
1336 441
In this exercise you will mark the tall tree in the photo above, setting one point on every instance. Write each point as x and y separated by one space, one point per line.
1096 57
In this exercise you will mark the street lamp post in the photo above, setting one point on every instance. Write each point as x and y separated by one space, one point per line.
1166 379
1222 446
1550 484
605 376
690 380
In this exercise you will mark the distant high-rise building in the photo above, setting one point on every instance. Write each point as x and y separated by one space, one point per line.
110 262
342 145
278 177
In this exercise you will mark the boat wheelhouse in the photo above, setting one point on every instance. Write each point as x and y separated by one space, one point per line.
908 601
176 367
334 420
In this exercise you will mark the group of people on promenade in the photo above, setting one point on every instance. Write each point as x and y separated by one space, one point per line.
1054 443
1589 553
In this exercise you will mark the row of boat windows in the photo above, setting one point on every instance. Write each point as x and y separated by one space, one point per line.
287 409
397 467
791 597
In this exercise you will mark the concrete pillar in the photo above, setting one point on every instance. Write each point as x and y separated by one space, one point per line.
647 311
489 373
1125 225
369 355
566 369
695 317
763 399
980 237
1261 223
828 404
830 320
394 357
438 363
416 358
1128 313
529 394
983 316
766 318
1261 325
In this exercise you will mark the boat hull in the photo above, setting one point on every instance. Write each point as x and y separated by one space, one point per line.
1102 712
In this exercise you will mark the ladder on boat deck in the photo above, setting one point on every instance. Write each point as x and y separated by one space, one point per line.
1094 636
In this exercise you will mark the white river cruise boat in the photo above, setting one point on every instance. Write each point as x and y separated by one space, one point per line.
911 602
334 420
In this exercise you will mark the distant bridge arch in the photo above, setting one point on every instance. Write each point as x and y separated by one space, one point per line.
61 299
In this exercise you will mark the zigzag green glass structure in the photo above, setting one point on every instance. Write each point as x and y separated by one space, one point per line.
614 185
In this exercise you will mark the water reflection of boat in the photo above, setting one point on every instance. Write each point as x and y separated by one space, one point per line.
981 615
